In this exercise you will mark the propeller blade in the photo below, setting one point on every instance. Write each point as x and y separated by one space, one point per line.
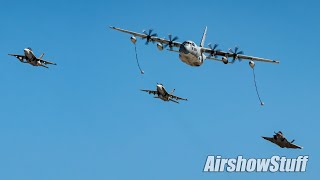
235 54
144 32
236 49
170 43
213 49
214 46
149 36
175 38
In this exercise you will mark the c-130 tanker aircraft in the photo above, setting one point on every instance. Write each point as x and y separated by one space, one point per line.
192 54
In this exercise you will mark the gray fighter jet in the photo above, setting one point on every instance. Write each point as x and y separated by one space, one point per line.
30 58
163 94
281 141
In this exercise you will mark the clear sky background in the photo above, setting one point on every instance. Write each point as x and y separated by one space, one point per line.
86 118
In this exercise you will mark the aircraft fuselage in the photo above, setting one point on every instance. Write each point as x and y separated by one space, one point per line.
162 93
190 54
31 58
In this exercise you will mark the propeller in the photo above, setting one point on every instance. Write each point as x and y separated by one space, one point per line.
149 36
213 50
170 43
235 53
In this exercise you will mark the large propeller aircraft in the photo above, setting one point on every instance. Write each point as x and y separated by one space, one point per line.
192 54
30 58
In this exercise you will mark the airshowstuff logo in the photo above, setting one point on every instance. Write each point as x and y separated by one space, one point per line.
240 164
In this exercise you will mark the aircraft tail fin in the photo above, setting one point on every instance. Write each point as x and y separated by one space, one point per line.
203 37
41 56
171 93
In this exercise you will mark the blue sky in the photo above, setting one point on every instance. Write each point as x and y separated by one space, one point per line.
87 119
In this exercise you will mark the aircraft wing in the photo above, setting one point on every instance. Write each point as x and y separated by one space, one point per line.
270 139
291 145
177 98
216 59
165 41
252 58
241 56
153 38
151 92
46 62
20 57
285 143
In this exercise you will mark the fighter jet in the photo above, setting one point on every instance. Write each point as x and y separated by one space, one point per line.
30 58
164 95
281 141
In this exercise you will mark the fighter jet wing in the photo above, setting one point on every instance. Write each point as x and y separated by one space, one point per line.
291 145
270 139
151 92
152 38
177 98
20 57
46 62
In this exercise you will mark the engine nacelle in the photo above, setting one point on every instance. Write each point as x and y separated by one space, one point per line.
225 60
160 46
133 39
251 64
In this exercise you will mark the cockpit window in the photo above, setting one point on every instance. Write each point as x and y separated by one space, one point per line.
187 42
29 48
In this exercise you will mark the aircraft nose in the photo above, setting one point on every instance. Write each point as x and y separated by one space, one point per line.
183 48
